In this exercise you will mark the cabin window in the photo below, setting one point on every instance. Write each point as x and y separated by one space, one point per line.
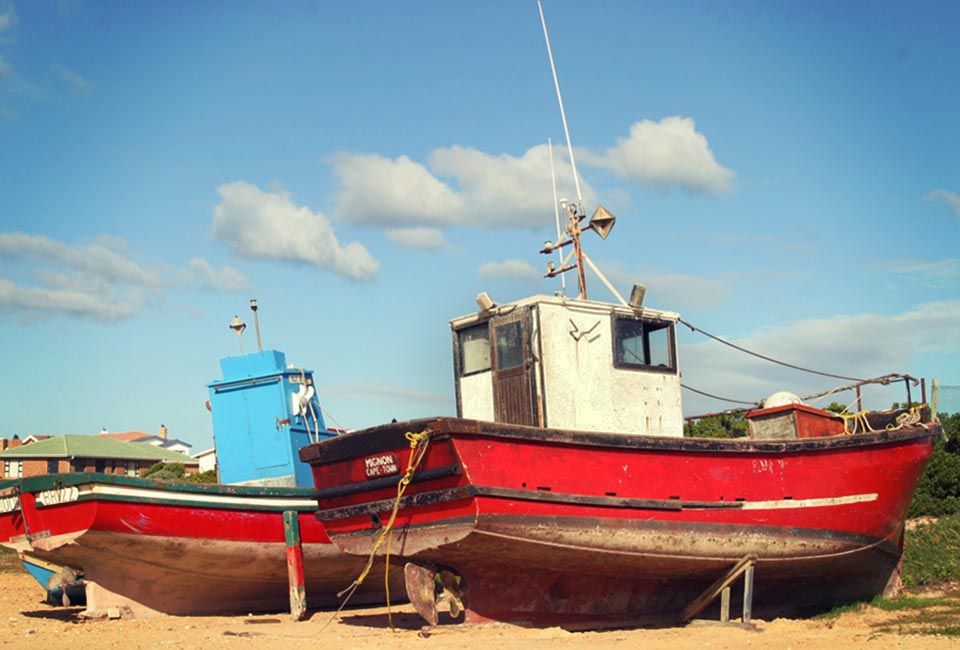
53 466
131 468
643 344
509 340
100 465
78 465
474 348
13 469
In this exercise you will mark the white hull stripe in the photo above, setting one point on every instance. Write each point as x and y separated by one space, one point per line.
786 504
168 496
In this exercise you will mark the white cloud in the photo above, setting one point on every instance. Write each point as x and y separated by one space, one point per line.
668 153
468 187
72 78
393 393
99 281
858 346
429 239
670 291
200 275
374 189
260 225
505 190
98 260
489 191
39 302
950 198
8 20
512 269
932 274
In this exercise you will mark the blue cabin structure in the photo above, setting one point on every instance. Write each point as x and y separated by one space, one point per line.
263 413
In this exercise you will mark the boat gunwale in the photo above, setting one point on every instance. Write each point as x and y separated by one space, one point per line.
392 436
43 482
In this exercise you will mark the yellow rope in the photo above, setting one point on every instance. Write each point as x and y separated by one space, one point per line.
906 419
418 449
860 421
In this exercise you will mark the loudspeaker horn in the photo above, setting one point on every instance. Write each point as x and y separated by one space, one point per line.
601 222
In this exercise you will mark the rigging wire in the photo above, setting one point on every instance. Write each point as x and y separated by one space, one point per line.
766 358
722 399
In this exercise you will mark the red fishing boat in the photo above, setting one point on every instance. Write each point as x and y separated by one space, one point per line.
570 496
565 492
557 527
178 548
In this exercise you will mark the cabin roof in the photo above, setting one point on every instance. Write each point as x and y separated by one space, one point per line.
571 303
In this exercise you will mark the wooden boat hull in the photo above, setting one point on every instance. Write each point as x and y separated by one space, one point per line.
175 548
551 527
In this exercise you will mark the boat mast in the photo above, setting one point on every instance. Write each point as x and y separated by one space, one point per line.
563 114
601 222
556 213
575 212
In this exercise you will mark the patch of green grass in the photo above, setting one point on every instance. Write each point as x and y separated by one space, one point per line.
917 615
938 616
911 602
931 552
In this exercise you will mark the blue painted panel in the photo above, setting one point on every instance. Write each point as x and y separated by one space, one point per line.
256 431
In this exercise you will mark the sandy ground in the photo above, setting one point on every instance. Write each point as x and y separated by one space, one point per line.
26 622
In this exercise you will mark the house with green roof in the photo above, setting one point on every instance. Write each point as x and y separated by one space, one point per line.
75 453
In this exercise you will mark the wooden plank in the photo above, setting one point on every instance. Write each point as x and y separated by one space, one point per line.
708 596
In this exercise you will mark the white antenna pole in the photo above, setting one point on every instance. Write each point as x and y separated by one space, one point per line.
556 214
563 115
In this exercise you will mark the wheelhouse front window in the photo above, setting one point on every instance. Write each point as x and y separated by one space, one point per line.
643 344
474 344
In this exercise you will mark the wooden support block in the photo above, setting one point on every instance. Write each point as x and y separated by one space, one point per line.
725 605
748 594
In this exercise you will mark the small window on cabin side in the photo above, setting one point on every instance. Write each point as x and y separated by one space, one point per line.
77 465
53 466
509 340
474 348
641 344
100 465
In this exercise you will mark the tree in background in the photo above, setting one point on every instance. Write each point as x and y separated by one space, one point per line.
162 471
732 424
938 492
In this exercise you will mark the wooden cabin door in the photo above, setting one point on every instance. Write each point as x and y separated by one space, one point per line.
513 370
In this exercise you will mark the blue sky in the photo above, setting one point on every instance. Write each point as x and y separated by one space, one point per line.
784 175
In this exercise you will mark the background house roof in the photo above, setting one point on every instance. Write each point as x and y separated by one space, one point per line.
126 436
70 446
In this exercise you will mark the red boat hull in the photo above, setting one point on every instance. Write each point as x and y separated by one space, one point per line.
13 530
580 529
179 549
